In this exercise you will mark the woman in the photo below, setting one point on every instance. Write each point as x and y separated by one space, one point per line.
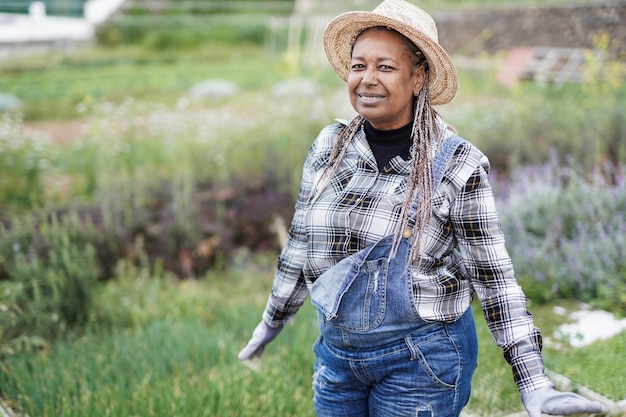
395 230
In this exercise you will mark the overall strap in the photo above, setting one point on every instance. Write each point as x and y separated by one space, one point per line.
440 162
448 147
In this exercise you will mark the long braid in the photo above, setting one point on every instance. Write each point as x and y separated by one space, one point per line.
426 139
347 134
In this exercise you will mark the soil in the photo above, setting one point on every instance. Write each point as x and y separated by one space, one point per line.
59 131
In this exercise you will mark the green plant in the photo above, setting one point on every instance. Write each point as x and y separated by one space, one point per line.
533 122
57 86
155 343
47 270
593 366
180 356
566 234
177 353
25 159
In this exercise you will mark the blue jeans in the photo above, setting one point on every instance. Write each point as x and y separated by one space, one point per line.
375 357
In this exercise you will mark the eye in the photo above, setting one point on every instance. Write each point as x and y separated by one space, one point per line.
386 68
356 67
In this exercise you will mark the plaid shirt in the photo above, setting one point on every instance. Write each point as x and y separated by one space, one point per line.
462 252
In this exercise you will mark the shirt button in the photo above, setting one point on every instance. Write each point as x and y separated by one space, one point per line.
406 233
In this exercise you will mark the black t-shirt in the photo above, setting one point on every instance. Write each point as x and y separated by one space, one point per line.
387 144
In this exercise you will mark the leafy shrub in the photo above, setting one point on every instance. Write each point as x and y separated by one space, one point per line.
25 157
175 33
567 234
181 356
533 121
47 271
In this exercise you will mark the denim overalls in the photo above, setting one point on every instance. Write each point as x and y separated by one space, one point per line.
375 356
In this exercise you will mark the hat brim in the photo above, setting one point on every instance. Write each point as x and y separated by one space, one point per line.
341 33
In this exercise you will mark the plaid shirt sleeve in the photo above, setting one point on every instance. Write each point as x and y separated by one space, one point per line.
289 290
482 246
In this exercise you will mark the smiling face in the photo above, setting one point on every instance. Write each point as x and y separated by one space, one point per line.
384 79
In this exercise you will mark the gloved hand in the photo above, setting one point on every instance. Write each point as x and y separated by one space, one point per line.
550 401
262 335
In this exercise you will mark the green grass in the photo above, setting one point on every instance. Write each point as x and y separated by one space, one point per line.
597 366
176 355
179 357
53 88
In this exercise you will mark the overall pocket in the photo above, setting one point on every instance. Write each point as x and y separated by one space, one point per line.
438 354
362 307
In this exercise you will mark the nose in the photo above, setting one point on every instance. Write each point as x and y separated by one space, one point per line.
369 77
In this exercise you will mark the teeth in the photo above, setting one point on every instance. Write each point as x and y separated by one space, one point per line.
370 98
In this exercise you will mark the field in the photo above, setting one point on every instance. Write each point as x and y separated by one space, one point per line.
137 247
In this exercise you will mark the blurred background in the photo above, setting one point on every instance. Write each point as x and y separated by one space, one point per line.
150 157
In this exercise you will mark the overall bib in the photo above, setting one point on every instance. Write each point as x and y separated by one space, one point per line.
375 356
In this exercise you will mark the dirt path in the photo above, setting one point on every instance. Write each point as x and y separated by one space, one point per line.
59 131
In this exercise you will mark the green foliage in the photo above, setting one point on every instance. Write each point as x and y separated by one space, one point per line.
56 87
186 168
567 234
528 124
139 295
25 159
159 185
176 25
47 271
157 344
132 150
180 356
593 366
176 33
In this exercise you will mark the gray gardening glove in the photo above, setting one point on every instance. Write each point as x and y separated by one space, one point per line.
550 401
262 335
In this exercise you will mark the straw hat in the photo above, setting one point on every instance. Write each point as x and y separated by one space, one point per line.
410 21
